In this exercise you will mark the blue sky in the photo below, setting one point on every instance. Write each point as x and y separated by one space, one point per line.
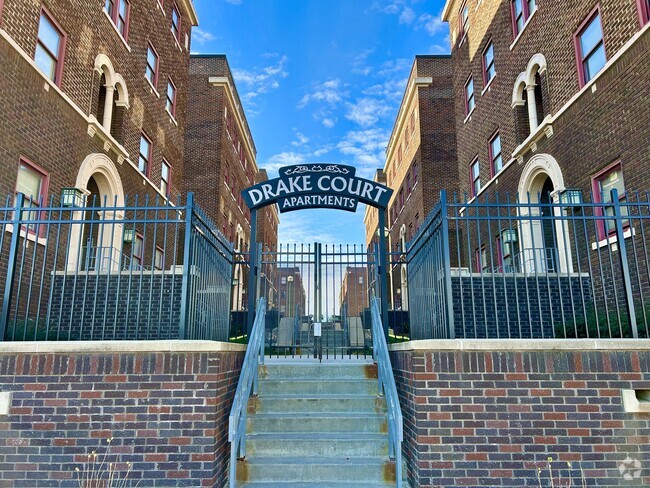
321 81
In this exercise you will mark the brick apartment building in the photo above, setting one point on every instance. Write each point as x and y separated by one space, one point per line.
220 160
420 160
551 104
353 297
291 291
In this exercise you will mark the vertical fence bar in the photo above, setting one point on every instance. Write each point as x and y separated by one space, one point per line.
446 264
11 265
383 268
627 282
252 273
187 266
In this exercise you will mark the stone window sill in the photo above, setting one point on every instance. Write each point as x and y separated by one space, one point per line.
469 115
523 29
153 88
612 240
30 236
487 87
119 34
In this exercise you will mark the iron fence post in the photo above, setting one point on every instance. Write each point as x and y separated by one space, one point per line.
446 264
187 267
383 270
252 273
625 269
11 266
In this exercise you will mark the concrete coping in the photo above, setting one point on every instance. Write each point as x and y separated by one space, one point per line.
523 345
109 347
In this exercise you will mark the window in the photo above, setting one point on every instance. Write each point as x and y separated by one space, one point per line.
603 183
159 258
521 10
488 64
481 259
145 155
464 19
118 11
644 11
50 47
151 71
164 178
413 119
32 182
409 186
138 248
590 48
496 161
469 96
401 198
176 23
171 98
415 174
475 177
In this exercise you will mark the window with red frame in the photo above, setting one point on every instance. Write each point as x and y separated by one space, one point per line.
496 159
144 159
489 70
413 121
521 10
171 98
399 155
159 258
409 186
463 19
469 96
401 198
32 182
415 174
475 178
643 5
590 48
138 251
481 257
165 175
151 72
119 11
50 48
176 23
603 183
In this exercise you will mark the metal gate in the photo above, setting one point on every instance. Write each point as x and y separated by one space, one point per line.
318 298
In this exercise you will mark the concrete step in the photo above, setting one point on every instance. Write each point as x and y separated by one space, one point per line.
316 469
362 403
332 370
321 386
335 445
317 422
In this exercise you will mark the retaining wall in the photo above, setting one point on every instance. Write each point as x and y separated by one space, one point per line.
165 404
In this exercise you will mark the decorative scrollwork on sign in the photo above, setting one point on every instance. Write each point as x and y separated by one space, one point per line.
316 168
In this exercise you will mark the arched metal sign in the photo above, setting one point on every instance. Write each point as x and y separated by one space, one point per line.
333 186
329 186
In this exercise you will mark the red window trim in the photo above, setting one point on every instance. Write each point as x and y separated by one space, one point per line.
1 4
149 156
473 191
499 253
43 190
173 111
576 42
155 265
470 78
169 176
116 14
642 7
494 135
461 27
157 67
484 66
177 36
525 14
60 56
599 211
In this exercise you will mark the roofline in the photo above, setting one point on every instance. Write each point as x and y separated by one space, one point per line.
446 9
433 56
189 5
207 55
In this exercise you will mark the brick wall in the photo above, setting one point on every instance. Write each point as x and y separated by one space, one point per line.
165 404
489 413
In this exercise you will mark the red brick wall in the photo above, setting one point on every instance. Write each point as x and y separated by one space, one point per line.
166 412
492 418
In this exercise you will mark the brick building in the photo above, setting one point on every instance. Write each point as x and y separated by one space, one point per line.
220 160
291 291
551 106
420 160
353 297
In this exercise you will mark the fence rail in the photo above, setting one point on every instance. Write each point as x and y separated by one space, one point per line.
502 268
108 270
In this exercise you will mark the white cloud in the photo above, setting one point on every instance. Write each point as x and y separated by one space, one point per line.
328 92
202 36
432 24
234 2
367 149
391 90
407 16
392 8
366 111
329 122
359 65
260 80
301 139
393 67
283 159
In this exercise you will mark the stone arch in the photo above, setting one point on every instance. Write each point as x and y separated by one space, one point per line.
536 64
103 65
122 92
538 251
518 89
102 170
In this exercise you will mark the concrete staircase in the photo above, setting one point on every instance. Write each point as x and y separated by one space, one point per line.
317 425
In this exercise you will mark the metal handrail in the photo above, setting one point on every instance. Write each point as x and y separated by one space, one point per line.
389 389
247 384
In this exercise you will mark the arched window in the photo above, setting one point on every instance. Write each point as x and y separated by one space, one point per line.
530 97
111 99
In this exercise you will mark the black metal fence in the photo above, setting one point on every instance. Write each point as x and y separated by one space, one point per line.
94 269
502 268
